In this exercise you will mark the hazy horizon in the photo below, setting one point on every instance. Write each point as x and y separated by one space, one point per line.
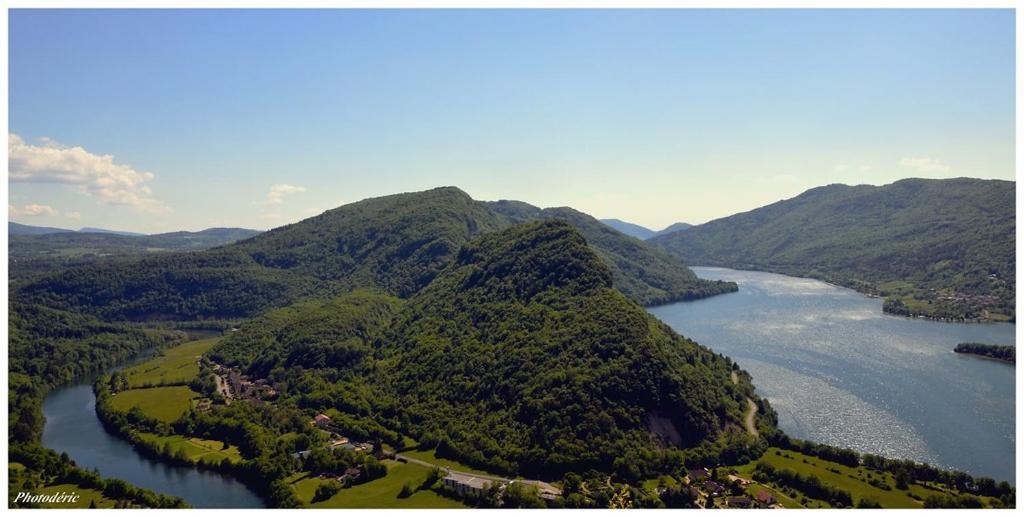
162 120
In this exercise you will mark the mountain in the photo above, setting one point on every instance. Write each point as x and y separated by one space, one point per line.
644 273
87 229
34 254
936 248
672 228
395 244
633 230
27 229
520 357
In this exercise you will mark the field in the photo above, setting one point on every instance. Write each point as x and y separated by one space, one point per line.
854 480
165 403
196 449
177 365
379 493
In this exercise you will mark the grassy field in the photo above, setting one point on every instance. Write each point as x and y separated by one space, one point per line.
430 457
165 403
379 493
175 366
85 496
196 449
855 480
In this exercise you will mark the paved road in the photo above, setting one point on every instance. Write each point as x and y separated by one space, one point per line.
539 484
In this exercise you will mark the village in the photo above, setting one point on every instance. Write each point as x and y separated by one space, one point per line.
709 493
706 492
232 384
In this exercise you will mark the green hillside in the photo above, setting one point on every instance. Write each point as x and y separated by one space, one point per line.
519 357
642 272
394 244
938 248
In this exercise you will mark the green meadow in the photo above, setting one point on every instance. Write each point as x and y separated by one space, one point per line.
166 403
379 493
177 365
855 480
431 457
195 449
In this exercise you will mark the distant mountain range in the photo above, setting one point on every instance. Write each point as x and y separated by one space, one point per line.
35 249
26 229
396 244
640 232
934 248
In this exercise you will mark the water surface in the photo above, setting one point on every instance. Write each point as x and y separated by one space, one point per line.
839 371
73 427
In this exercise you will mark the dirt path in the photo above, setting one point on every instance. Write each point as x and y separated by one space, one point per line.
749 419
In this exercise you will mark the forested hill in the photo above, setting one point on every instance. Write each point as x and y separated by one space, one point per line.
520 357
633 230
396 244
643 272
938 248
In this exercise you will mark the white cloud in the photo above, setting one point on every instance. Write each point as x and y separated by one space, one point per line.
277 192
924 164
72 215
95 175
31 210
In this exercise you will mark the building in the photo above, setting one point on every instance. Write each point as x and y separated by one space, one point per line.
713 488
466 485
697 475
765 498
322 420
738 502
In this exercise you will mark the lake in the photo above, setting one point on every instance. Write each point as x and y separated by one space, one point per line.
73 427
839 371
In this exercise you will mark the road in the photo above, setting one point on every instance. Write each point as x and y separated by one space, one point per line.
542 486
749 419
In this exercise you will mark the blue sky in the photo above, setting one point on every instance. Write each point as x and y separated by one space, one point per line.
162 120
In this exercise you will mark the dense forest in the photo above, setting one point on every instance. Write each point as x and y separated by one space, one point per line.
520 357
1000 352
642 272
396 244
935 248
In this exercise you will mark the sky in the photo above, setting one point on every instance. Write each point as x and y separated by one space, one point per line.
162 120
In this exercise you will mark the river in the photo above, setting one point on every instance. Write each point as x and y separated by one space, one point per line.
73 427
839 371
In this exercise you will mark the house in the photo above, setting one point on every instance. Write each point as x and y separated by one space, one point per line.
352 473
697 475
738 502
322 420
713 488
765 498
466 485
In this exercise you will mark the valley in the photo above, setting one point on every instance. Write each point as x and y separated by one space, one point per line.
431 351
